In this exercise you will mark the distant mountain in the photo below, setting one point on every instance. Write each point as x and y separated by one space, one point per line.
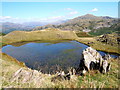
59 22
88 16
26 26
34 24
8 27
86 23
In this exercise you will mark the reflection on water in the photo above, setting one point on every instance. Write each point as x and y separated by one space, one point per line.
47 56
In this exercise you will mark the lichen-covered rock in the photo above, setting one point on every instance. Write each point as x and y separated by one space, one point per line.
94 61
91 55
107 57
23 75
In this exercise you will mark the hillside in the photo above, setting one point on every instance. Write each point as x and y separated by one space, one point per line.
95 25
46 34
7 27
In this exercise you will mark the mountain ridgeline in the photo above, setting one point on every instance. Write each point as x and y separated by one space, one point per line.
88 23
8 27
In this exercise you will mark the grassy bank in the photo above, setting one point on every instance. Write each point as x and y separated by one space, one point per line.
98 45
47 34
93 79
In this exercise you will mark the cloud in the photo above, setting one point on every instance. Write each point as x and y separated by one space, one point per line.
69 9
10 19
71 12
47 19
5 17
74 12
30 19
55 18
94 10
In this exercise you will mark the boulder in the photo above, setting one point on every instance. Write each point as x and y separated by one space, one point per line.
92 60
26 75
106 57
91 56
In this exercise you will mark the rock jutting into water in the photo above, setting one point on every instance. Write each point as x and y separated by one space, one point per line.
93 61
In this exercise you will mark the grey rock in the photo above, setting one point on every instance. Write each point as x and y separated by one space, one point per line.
91 55
106 57
26 75
94 61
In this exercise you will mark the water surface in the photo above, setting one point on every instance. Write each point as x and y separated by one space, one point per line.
46 56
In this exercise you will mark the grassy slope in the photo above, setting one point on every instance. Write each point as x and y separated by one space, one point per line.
9 66
98 45
49 34
83 34
91 80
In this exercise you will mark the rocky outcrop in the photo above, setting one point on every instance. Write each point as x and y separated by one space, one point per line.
27 75
33 76
91 56
92 60
112 39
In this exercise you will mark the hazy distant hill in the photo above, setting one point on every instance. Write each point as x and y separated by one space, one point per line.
8 27
26 26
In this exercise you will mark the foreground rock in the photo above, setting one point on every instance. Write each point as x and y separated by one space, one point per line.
27 75
93 61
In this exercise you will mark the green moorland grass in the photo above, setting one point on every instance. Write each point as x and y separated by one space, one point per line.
93 79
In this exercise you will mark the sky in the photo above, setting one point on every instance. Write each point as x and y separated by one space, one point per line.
54 11
60 0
